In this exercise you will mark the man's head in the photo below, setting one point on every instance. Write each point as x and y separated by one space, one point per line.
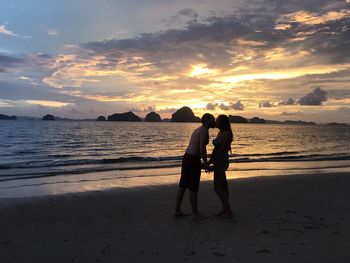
208 120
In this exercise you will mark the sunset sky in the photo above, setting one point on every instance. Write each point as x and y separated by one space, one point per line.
268 58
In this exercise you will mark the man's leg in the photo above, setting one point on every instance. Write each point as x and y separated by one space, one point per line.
179 198
194 202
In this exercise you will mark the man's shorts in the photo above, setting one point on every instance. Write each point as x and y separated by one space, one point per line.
190 172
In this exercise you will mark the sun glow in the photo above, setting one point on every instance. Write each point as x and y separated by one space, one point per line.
47 103
201 70
275 75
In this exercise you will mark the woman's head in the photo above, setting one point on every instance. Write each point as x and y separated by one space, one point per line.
223 123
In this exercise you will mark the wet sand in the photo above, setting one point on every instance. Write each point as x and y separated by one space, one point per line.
296 218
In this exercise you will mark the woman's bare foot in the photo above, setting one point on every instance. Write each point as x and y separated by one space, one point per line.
227 215
220 213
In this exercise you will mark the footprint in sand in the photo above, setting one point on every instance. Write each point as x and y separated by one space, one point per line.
190 252
264 250
219 254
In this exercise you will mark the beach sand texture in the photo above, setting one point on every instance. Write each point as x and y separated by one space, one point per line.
299 218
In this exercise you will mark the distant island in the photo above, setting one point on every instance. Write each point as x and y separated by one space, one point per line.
126 116
299 122
101 118
237 119
48 117
184 114
257 120
153 117
6 117
336 124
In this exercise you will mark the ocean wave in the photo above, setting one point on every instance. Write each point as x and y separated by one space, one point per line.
166 160
267 154
307 157
48 163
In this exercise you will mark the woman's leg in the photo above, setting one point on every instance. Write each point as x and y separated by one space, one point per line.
221 188
218 191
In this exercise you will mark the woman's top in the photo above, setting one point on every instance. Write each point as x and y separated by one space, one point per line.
220 156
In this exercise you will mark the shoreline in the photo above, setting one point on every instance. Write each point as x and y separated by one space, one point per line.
13 186
302 218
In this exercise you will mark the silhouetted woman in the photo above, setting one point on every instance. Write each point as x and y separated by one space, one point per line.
220 160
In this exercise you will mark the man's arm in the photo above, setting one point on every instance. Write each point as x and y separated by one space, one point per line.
204 140
213 156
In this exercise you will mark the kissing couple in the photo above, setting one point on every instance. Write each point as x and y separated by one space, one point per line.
195 158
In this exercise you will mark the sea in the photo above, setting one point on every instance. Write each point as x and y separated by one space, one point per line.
57 150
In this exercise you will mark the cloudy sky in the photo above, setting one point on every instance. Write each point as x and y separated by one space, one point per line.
269 58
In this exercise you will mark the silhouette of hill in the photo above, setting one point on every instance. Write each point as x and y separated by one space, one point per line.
336 124
48 117
273 122
153 117
257 120
299 122
237 119
184 114
126 116
6 117
101 118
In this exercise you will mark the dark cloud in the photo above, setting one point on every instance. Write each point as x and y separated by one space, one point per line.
184 17
174 49
211 106
237 105
7 61
31 62
224 107
215 40
265 104
292 113
188 12
289 101
314 98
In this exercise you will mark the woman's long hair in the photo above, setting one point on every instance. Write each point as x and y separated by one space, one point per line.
224 124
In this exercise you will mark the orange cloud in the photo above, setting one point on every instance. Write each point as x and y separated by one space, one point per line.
47 103
309 18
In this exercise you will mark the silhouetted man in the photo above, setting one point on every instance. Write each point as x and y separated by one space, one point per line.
191 165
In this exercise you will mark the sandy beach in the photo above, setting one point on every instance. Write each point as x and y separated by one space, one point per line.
296 218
